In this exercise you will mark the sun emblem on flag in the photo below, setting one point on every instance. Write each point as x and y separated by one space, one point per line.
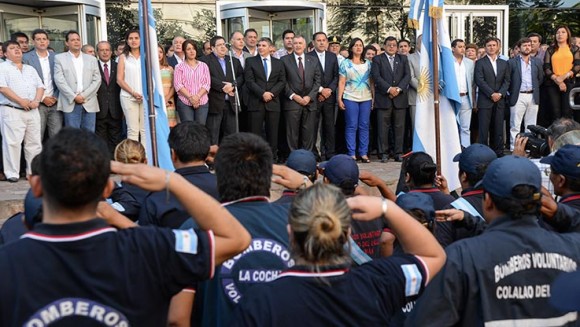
425 87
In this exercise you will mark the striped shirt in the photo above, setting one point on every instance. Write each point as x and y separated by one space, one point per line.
193 80
23 82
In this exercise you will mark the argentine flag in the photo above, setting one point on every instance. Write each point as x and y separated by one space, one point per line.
424 133
161 124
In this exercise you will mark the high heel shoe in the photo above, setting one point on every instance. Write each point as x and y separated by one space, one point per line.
365 159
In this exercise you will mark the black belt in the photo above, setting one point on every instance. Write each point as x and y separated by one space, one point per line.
527 92
462 94
11 106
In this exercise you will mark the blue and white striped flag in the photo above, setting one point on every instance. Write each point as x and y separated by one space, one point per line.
161 124
424 134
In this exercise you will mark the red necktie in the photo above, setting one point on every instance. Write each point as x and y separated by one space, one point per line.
107 76
301 70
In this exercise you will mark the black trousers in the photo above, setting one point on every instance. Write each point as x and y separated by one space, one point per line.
384 117
221 124
559 101
268 120
300 129
326 113
110 130
491 126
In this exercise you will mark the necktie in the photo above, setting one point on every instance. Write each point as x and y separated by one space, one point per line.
266 67
301 70
106 71
391 61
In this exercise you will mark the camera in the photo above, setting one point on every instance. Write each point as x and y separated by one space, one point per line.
537 141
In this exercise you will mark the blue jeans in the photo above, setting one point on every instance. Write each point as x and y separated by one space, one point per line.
357 117
188 113
80 118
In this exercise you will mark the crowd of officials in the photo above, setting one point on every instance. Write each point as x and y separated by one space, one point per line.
310 94
195 247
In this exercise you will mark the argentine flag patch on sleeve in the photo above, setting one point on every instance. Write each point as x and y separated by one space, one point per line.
413 279
185 241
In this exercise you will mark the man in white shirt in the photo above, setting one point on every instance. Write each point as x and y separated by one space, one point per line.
464 74
43 61
78 79
21 91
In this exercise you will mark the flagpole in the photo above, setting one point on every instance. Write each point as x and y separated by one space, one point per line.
435 52
149 80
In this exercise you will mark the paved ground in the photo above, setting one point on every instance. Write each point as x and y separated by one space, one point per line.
12 194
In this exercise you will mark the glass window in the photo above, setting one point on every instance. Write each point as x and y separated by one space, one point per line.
20 23
57 26
92 29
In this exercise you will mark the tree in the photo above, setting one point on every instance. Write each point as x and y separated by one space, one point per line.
204 21
120 19
374 19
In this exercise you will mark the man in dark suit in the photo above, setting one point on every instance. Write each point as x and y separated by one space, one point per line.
222 115
109 123
300 101
328 64
178 54
265 79
43 61
391 74
526 76
492 77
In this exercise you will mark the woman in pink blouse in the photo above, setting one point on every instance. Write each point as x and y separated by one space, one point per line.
191 81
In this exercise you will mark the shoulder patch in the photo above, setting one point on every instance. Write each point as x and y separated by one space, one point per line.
185 241
413 279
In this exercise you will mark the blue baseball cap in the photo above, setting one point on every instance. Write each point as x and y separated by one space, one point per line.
505 173
302 161
416 200
340 169
565 161
474 156
565 292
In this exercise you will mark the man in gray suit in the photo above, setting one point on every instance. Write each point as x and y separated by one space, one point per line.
526 75
300 101
78 79
43 61
464 74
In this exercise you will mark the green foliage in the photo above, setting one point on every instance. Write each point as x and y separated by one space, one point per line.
119 20
204 21
371 18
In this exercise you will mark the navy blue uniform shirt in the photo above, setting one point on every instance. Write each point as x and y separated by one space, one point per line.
367 295
267 256
500 278
13 228
87 273
159 211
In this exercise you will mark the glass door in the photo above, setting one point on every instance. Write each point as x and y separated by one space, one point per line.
261 21
300 21
57 21
475 23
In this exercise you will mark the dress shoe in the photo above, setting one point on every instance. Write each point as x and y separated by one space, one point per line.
399 158
2 177
12 179
384 158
